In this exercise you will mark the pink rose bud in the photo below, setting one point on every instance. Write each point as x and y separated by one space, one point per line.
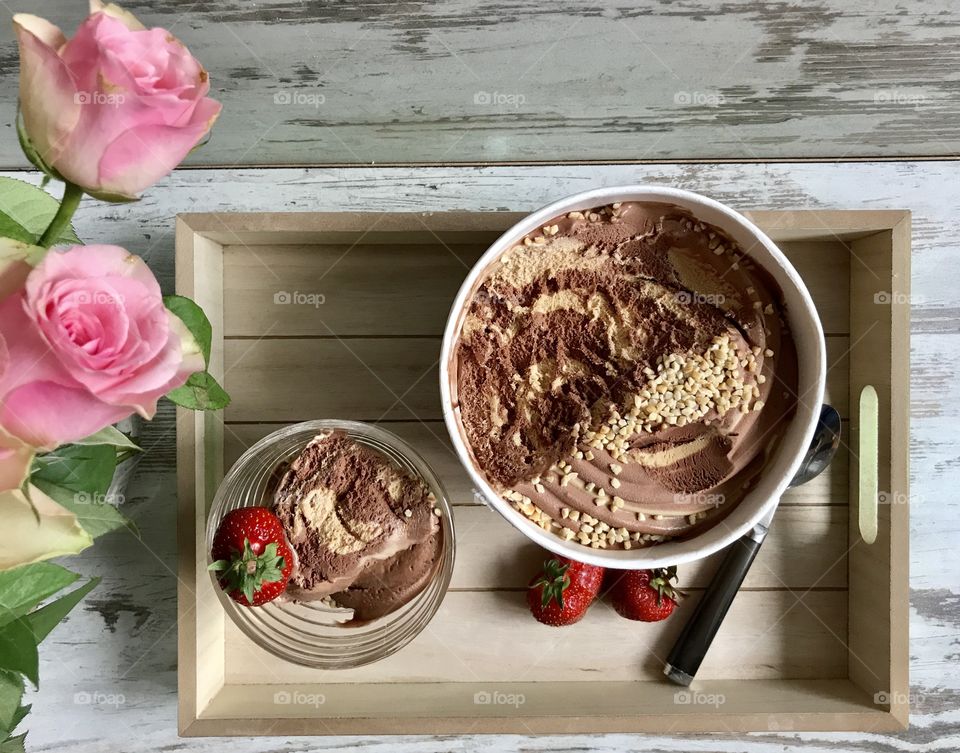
117 107
85 343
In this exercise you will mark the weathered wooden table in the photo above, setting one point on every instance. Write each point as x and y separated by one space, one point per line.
697 84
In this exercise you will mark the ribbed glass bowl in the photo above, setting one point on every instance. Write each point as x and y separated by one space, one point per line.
311 633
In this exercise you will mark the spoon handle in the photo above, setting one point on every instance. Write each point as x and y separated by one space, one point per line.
698 634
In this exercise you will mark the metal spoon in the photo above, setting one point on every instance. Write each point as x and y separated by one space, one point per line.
692 645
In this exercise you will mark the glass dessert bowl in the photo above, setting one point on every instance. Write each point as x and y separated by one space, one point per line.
632 375
376 616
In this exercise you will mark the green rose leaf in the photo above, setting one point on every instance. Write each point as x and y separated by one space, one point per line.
112 436
201 392
45 619
11 691
20 715
194 320
13 744
18 650
78 467
25 212
22 588
77 477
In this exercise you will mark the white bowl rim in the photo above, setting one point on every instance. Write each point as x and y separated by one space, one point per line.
804 323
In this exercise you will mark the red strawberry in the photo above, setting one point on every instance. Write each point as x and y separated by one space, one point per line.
563 591
588 577
646 595
251 555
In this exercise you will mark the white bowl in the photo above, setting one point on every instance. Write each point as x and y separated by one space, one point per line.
804 324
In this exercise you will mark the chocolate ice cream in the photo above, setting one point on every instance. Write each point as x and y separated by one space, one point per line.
622 374
365 534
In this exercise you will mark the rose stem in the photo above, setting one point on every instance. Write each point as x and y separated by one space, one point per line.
71 200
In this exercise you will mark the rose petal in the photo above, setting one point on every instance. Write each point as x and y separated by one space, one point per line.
48 99
129 20
134 83
171 369
141 156
37 528
4 356
100 120
79 262
15 460
144 335
27 349
16 261
83 362
42 29
47 414
145 102
81 53
107 270
105 58
87 322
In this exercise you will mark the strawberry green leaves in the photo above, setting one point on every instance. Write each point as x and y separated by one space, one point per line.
554 582
248 572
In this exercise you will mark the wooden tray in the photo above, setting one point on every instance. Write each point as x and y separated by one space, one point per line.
340 315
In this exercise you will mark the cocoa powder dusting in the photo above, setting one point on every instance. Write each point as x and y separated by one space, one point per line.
618 363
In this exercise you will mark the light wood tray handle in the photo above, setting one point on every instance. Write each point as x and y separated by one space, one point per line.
868 452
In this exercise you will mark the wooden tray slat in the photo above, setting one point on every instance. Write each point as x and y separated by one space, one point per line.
412 286
374 379
488 636
806 548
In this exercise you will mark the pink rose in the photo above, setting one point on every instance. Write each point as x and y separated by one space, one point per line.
86 342
117 107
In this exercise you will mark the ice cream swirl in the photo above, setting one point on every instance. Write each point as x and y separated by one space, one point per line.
622 374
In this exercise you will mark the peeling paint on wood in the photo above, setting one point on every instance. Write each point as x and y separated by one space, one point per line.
367 81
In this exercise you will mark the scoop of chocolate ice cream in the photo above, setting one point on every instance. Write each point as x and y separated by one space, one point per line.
364 532
622 373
